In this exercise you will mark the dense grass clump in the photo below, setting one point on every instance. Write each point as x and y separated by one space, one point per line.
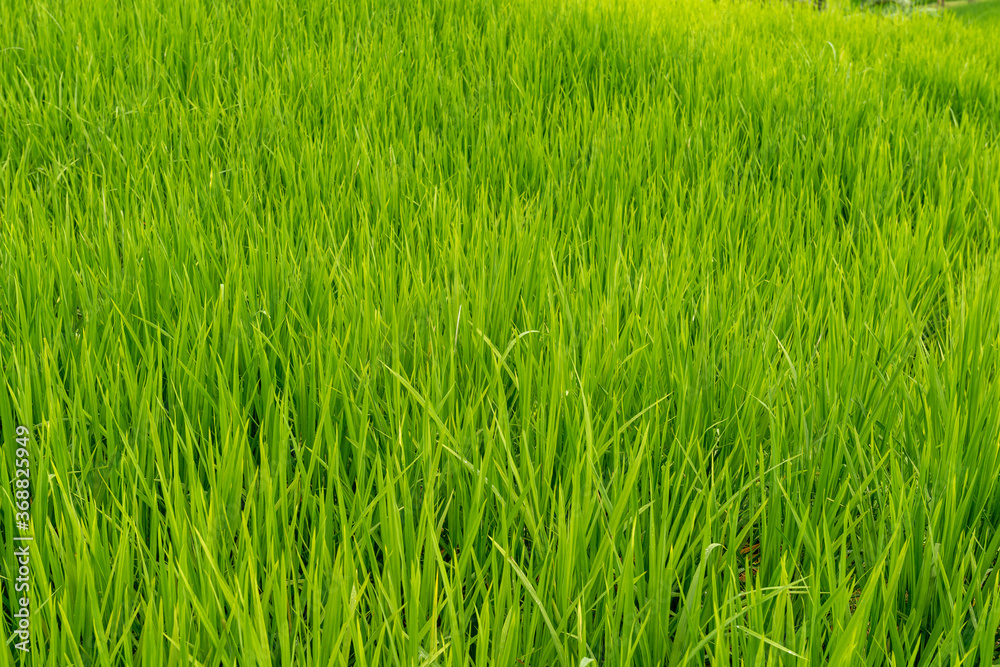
497 332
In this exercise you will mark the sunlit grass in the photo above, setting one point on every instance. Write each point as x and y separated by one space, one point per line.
498 333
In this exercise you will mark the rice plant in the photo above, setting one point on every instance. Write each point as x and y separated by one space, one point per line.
497 332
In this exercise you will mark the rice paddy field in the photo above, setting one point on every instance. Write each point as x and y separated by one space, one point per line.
498 332
984 12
